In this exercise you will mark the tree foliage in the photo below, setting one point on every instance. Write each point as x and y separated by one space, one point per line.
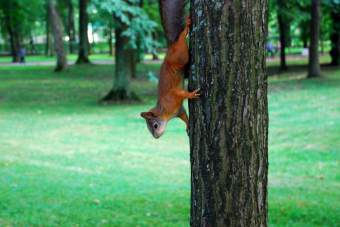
139 25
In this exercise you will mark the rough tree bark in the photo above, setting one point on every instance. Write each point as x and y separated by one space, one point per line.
57 32
314 65
283 36
229 122
83 56
121 89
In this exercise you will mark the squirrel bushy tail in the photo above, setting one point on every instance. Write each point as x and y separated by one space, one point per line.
173 18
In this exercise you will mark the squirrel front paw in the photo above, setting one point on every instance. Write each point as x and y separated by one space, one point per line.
194 94
188 21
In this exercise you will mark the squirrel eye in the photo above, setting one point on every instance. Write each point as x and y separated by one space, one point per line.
155 126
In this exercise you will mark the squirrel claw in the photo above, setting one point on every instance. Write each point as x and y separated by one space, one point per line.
188 21
194 94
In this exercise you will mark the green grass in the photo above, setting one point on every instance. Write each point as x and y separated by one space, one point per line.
71 58
67 161
324 59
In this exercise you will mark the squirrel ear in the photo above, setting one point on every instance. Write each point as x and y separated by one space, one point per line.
147 115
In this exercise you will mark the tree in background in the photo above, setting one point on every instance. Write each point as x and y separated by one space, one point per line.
151 8
67 15
283 19
83 55
131 24
17 21
229 122
303 19
110 32
11 15
49 49
123 72
313 65
335 35
57 31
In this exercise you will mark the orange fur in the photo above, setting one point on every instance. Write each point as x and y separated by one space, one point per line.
170 86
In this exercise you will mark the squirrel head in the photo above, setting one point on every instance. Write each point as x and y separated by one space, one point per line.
155 123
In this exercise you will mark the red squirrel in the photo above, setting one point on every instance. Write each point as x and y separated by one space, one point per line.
171 80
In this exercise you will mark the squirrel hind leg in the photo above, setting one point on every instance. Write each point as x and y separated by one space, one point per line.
186 29
183 115
188 21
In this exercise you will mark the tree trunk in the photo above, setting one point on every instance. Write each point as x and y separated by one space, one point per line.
335 37
305 43
111 37
155 37
229 122
282 28
133 63
89 45
335 51
15 40
83 56
121 89
49 50
314 66
71 28
57 31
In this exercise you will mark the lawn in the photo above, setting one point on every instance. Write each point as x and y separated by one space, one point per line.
71 58
67 161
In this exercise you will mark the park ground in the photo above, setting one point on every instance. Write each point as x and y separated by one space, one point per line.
65 160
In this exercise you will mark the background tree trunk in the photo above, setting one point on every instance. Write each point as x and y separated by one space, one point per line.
15 40
49 49
57 31
111 37
335 37
155 37
83 56
89 45
133 63
314 65
71 28
12 24
283 36
229 122
121 89
335 51
305 32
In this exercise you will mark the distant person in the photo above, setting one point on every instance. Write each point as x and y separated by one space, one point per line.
22 53
270 48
